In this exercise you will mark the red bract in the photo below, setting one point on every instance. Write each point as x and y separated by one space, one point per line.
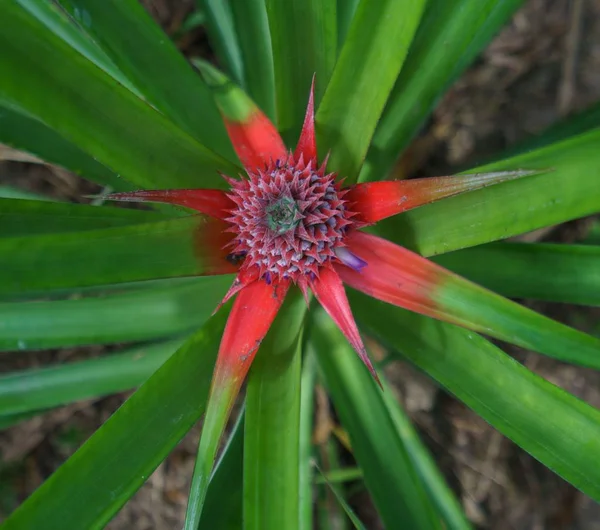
287 221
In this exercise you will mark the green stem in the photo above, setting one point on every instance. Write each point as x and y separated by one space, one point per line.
272 430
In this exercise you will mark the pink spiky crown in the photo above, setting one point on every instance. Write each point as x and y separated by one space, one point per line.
290 220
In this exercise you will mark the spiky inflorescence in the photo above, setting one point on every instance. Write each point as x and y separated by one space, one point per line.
290 219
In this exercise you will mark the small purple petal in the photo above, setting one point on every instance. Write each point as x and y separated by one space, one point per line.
349 259
268 278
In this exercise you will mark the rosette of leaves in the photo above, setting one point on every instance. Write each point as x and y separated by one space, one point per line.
97 88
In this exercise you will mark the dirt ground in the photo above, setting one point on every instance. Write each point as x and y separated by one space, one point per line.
544 65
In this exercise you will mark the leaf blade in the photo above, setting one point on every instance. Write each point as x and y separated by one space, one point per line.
304 44
345 506
347 117
28 134
129 446
58 22
252 29
271 437
223 507
450 36
405 279
426 467
161 311
566 192
142 51
400 497
165 249
31 390
21 217
539 271
307 390
128 136
513 399
223 37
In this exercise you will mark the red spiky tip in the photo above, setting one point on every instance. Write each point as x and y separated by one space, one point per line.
290 219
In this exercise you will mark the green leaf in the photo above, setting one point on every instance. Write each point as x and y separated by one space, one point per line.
307 393
449 37
194 20
369 62
13 419
235 359
400 496
28 134
129 446
166 249
223 505
304 42
223 37
142 51
540 271
128 136
342 502
345 13
160 312
271 441
31 390
20 217
252 29
558 429
9 192
424 464
458 301
345 474
57 21
329 455
568 191
234 103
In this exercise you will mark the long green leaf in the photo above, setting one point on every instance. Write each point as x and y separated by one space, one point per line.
30 390
569 190
424 464
345 13
223 505
543 271
142 51
94 112
345 474
399 495
33 217
369 62
129 446
307 392
555 427
332 513
28 134
450 36
304 41
223 37
10 192
57 21
458 301
345 506
252 29
166 249
13 419
160 312
271 438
